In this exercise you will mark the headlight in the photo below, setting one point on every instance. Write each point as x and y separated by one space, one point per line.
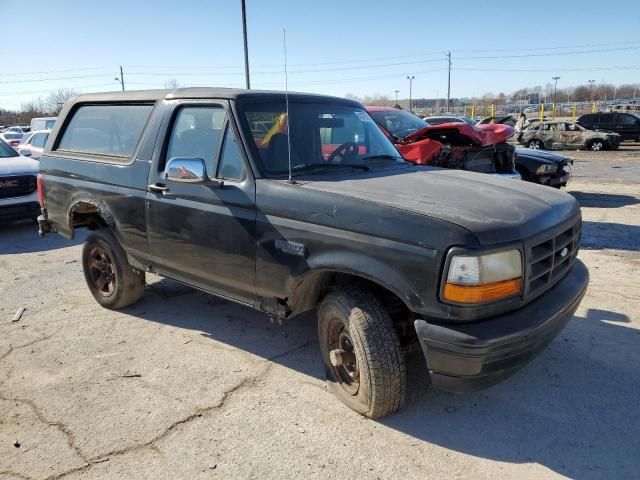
483 278
546 169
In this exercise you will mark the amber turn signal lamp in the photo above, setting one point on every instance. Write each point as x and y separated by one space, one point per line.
489 292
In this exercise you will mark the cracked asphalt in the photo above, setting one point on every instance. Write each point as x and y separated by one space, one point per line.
185 385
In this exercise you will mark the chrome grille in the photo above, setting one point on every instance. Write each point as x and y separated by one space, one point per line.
548 259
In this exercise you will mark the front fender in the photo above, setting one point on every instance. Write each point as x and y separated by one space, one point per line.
307 286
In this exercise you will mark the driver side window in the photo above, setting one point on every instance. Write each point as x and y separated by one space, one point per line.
196 133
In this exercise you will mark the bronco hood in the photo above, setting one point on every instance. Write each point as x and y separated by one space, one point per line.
495 210
462 134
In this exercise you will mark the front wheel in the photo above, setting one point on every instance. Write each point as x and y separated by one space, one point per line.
535 145
362 353
596 145
111 280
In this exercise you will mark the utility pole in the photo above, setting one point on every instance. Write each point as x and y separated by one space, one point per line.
555 90
246 48
449 81
397 91
121 79
410 78
591 82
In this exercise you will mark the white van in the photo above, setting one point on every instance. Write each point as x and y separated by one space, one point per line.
42 123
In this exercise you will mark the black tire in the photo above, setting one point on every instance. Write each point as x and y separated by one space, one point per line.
596 145
535 145
104 260
379 362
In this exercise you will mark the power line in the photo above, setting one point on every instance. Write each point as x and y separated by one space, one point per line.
528 55
50 79
57 71
545 70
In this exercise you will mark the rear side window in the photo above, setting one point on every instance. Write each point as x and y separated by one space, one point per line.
625 119
110 130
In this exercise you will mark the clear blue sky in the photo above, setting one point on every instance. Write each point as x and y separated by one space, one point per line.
334 47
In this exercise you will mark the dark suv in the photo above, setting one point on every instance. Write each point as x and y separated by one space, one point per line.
293 202
627 125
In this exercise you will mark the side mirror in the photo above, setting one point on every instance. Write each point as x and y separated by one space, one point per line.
24 153
185 170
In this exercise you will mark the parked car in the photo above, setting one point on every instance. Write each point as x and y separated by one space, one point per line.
18 196
32 144
558 135
625 107
19 130
449 145
545 168
438 120
320 212
12 138
500 119
627 125
43 123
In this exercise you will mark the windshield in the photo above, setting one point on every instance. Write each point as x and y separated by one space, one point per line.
6 151
398 122
323 137
13 136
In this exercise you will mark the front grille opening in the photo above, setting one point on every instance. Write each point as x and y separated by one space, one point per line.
17 186
550 259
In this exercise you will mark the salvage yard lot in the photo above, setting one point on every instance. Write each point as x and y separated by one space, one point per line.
185 385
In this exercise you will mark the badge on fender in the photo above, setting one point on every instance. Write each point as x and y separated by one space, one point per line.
292 248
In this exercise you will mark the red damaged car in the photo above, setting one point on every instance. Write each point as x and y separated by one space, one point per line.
461 146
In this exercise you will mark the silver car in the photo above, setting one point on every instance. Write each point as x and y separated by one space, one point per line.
32 144
558 135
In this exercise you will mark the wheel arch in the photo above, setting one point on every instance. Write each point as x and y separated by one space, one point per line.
90 213
308 288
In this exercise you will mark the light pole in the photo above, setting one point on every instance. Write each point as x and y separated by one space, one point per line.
397 91
121 79
555 90
591 82
246 49
449 81
410 78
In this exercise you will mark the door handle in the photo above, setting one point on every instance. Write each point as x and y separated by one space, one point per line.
154 187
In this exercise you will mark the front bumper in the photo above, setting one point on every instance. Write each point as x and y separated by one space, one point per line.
472 356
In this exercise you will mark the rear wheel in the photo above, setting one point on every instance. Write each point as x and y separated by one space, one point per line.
535 145
111 280
362 353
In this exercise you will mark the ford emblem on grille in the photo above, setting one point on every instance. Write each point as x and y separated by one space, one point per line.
563 252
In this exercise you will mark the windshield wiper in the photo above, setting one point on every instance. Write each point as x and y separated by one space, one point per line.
318 167
383 157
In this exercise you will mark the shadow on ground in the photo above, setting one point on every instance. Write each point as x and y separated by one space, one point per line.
604 200
22 237
573 410
616 236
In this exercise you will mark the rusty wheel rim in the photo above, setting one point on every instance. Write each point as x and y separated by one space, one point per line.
342 357
102 271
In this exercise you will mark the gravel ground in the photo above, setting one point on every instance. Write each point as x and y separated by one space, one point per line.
184 385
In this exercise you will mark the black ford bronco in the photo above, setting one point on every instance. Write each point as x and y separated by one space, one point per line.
300 202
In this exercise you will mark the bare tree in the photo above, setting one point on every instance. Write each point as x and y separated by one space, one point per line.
172 84
56 100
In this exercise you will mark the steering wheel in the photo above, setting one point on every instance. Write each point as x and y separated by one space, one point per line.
345 150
